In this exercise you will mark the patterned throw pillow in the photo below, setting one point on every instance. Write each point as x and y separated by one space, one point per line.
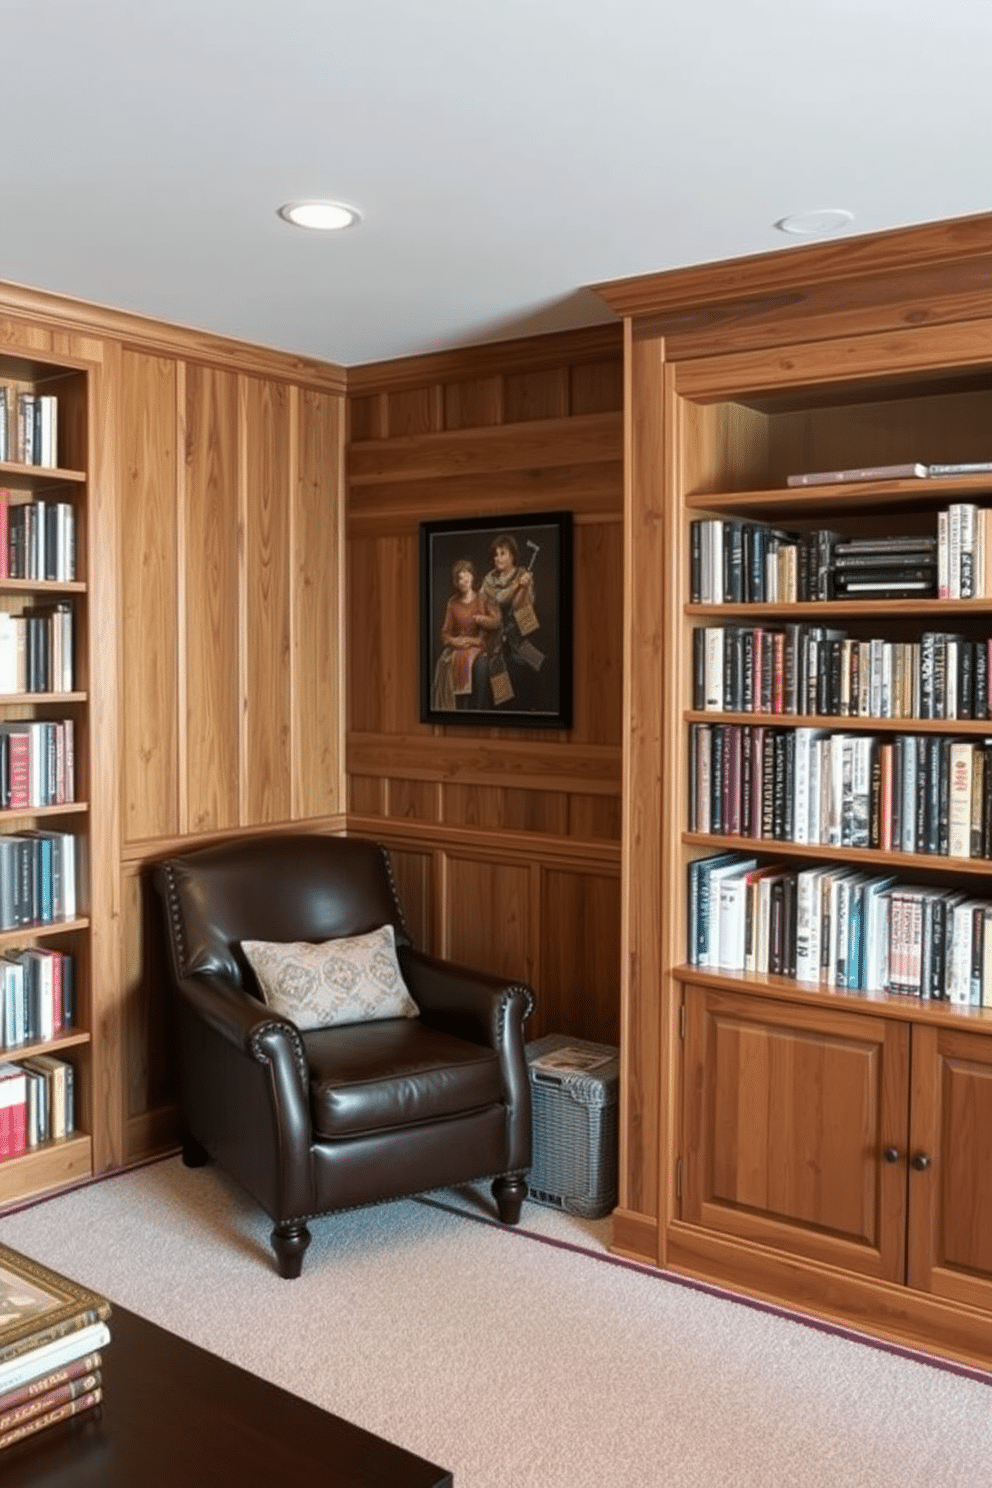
355 979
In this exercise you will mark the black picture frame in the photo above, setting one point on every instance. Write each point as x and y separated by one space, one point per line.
516 621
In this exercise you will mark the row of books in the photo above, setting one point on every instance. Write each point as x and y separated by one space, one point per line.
37 539
37 996
36 650
53 1333
817 670
37 763
39 878
29 427
37 1103
838 927
925 794
741 562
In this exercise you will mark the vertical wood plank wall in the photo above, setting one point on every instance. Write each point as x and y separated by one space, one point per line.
231 648
506 841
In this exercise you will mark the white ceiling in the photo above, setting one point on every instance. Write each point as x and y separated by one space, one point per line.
505 154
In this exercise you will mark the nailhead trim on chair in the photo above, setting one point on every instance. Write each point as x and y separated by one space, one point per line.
408 1194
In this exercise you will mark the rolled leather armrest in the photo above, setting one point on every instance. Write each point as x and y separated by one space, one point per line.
473 1004
236 1015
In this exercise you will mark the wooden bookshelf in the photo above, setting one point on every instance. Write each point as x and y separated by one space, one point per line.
826 1149
55 1163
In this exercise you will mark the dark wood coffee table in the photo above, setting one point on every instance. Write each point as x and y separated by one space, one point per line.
175 1415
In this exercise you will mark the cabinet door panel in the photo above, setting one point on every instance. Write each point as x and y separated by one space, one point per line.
788 1112
950 1199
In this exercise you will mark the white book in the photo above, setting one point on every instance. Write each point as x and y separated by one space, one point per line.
716 563
8 652
835 792
966 553
23 1368
808 924
954 551
863 752
960 766
942 556
711 954
805 781
714 641
959 952
876 909
909 791
732 934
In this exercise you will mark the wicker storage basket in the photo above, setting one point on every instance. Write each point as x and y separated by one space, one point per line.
573 1087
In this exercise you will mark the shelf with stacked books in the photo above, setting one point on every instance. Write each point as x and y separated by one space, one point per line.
45 996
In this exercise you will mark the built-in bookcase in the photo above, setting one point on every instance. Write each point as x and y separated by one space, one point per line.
819 1143
44 754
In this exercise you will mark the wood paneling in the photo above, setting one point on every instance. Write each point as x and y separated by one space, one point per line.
149 599
212 515
266 779
522 825
580 956
318 607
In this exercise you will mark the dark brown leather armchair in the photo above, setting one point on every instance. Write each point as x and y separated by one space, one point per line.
333 1118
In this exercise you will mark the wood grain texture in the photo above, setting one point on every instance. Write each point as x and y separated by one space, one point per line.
470 449
317 602
788 1113
149 598
212 569
268 478
579 974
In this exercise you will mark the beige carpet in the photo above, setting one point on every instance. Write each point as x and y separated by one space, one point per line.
517 1357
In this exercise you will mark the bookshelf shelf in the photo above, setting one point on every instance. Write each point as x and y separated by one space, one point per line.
12 470
760 1112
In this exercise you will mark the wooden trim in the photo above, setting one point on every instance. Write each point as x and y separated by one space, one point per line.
498 846
152 849
888 1310
161 338
588 438
591 492
635 1236
588 769
749 281
526 354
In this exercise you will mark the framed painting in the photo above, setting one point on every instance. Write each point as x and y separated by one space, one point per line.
496 621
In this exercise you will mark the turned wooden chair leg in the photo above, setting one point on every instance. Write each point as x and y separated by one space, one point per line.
289 1241
509 1191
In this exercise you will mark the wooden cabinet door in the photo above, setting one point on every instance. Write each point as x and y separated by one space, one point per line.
789 1111
950 1165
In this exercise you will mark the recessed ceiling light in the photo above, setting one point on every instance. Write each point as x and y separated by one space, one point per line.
812 224
322 216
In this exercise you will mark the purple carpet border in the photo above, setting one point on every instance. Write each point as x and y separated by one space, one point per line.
804 1320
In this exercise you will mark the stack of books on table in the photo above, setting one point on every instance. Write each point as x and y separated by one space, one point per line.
52 1332
884 568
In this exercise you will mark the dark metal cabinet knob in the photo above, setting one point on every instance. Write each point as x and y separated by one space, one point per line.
920 1161
892 1154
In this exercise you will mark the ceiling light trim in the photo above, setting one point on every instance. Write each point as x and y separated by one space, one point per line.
319 215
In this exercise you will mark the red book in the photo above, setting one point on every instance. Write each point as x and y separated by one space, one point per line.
50 1417
42 1402
89 1364
19 769
13 1110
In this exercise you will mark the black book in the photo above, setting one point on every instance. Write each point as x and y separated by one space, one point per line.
756 567
789 787
699 668
779 785
980 696
776 927
695 561
966 679
850 546
733 562
716 779
768 783
928 646
929 841
789 923
943 842
747 677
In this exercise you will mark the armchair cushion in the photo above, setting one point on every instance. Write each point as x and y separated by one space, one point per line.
373 1077
352 979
